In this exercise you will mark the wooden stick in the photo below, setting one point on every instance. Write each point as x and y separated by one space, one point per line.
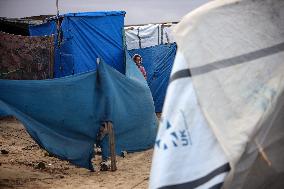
51 61
262 153
111 146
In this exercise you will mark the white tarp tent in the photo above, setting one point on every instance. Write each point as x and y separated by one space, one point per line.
227 93
148 35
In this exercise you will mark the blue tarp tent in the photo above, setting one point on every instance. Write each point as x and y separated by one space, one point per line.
64 115
83 38
3 114
158 61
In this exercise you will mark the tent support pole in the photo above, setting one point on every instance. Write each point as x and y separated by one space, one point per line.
111 146
51 61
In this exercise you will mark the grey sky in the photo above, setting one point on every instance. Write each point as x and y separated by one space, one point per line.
137 11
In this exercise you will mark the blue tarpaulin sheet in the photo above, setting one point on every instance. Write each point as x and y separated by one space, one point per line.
64 115
84 38
48 28
158 61
3 114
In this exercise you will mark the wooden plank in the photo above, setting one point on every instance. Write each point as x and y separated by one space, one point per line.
111 146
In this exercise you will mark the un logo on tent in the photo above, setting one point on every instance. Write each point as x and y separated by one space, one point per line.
174 136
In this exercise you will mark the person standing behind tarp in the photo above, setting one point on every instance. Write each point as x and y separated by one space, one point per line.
138 61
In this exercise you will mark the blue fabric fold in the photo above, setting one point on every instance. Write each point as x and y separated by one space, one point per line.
64 115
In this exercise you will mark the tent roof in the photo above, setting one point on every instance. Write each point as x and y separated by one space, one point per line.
95 14
91 14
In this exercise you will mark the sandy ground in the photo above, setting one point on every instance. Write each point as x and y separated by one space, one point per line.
19 168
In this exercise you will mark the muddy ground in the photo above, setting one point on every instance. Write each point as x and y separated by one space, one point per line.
24 165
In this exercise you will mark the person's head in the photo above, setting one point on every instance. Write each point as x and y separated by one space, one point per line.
137 59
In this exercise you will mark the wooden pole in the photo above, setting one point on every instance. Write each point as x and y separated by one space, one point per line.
111 146
51 62
58 24
57 13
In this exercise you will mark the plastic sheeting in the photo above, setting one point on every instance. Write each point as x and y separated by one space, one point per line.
64 115
84 37
234 51
24 57
148 35
158 62
47 28
184 141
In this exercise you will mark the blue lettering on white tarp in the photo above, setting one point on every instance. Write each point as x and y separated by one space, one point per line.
174 136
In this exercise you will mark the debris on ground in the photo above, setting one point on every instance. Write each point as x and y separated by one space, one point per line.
40 165
4 152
